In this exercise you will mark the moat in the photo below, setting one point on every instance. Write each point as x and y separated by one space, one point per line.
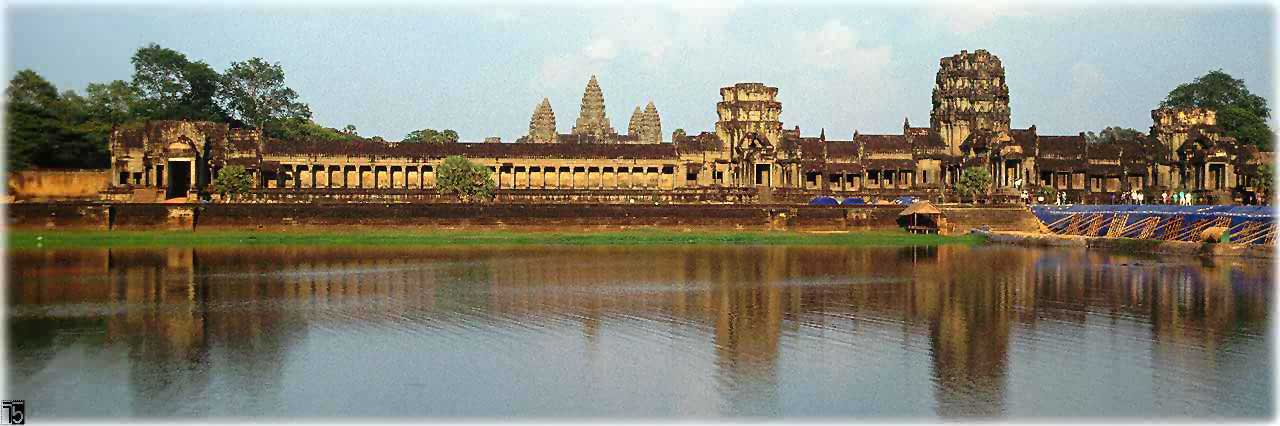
639 331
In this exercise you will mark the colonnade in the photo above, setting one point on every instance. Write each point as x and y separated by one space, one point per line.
505 176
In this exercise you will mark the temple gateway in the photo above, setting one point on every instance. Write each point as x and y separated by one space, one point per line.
749 155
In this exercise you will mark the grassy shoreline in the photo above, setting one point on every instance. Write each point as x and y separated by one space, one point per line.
35 239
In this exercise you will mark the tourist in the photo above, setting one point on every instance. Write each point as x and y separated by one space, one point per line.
1164 197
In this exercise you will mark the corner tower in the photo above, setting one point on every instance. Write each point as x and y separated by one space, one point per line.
542 126
969 96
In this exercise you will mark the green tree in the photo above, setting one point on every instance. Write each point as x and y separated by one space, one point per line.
431 136
469 181
678 134
51 130
31 118
232 182
350 129
114 103
297 128
254 92
1112 134
974 181
172 87
1241 114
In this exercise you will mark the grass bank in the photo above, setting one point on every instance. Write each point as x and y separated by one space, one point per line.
27 239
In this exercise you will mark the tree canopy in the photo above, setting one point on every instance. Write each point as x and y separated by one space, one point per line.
431 136
1241 114
172 87
46 128
254 92
1112 134
49 130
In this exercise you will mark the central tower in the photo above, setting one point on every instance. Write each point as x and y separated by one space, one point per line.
969 96
591 119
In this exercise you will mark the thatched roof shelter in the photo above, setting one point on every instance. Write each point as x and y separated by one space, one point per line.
921 217
921 207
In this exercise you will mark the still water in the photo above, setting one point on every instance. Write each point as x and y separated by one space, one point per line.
668 332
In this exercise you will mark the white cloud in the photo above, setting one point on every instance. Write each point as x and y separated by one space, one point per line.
567 70
651 34
836 46
601 49
968 17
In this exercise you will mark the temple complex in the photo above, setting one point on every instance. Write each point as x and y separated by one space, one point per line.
748 150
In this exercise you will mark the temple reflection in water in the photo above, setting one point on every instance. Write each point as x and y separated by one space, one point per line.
973 310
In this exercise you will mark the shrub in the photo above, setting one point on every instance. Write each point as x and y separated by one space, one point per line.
469 181
973 181
232 181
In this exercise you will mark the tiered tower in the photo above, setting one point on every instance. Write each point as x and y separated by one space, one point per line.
633 127
592 119
745 109
542 126
969 95
650 125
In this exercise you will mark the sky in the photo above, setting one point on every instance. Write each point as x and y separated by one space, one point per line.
480 69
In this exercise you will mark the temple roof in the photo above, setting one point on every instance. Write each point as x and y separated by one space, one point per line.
472 150
1063 146
884 143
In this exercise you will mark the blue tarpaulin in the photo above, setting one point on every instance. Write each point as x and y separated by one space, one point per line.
824 201
1137 212
854 201
904 200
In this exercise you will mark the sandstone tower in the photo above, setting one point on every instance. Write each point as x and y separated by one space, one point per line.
1172 126
542 126
633 127
650 125
969 95
592 119
748 109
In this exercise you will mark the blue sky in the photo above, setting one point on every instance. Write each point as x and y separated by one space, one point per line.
482 68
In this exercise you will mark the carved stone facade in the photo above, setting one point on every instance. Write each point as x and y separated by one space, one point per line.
748 150
970 97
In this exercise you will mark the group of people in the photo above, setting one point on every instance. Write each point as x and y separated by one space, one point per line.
1181 198
1060 198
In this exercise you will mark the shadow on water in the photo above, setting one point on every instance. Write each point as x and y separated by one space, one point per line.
677 331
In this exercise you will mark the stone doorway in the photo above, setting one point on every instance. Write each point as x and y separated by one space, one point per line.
179 179
762 175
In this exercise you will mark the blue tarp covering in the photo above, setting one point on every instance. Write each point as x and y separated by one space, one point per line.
1190 214
854 201
904 200
824 201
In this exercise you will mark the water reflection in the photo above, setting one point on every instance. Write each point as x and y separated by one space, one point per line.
648 331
